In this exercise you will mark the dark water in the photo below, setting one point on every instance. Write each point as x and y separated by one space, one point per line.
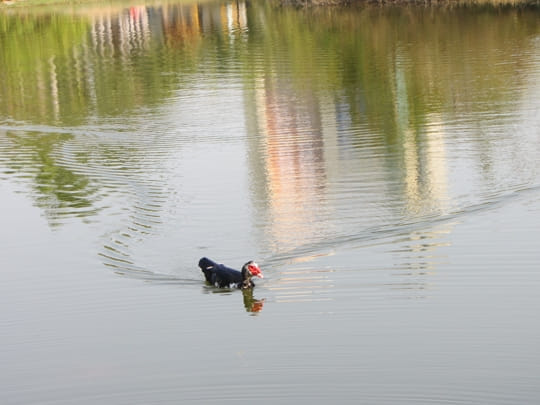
381 164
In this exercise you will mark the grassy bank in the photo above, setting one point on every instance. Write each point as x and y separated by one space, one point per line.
7 3
81 4
412 2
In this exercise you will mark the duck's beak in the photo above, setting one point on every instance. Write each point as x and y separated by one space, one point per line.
255 270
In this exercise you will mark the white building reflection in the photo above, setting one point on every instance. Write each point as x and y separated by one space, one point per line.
309 147
319 167
294 161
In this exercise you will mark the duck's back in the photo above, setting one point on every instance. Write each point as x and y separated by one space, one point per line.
219 274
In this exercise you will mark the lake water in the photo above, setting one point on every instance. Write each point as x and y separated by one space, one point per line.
381 164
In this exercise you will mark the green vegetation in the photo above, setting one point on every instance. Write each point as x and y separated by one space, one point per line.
38 53
450 3
390 70
383 61
70 5
445 3
69 67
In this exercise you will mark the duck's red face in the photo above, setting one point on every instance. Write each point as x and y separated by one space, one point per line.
255 270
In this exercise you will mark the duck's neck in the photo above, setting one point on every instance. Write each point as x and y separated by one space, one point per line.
247 283
246 280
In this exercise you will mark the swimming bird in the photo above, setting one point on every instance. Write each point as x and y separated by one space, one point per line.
222 276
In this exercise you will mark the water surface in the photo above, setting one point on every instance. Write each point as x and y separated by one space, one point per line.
381 165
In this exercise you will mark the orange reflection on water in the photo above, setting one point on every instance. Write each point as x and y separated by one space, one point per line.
250 303
293 161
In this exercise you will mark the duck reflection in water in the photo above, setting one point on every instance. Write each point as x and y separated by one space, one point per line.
251 303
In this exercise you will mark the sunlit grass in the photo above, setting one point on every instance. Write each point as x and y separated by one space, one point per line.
412 2
487 2
24 3
29 3
9 4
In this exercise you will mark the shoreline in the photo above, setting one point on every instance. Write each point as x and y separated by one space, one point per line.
7 4
452 3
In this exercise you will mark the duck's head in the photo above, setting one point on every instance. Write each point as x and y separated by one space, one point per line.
249 270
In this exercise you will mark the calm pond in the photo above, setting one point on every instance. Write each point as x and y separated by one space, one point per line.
381 164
